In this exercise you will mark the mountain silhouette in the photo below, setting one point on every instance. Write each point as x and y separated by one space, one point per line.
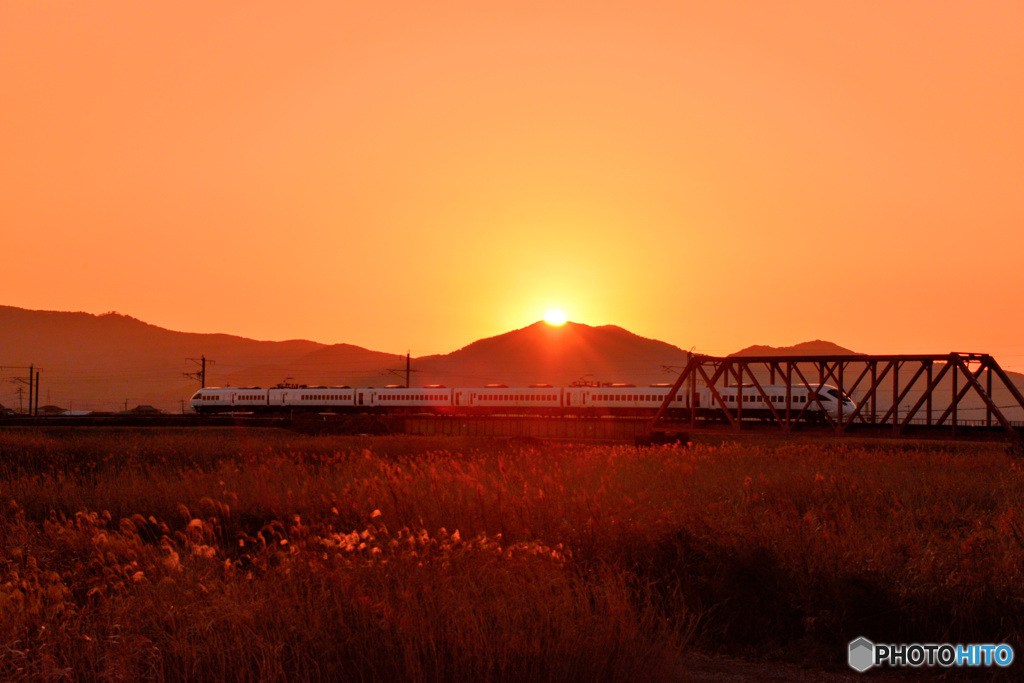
558 355
100 362
810 348
107 362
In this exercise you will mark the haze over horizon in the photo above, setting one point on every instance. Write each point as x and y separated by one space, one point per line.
407 177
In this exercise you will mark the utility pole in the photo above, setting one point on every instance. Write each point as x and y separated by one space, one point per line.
32 381
201 373
408 370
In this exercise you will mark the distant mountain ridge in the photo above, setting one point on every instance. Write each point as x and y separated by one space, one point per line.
100 362
104 362
559 355
810 348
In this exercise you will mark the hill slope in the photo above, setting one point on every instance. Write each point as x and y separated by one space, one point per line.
809 348
541 353
100 361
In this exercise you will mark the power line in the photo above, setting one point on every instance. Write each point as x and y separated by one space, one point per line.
201 373
408 370
32 381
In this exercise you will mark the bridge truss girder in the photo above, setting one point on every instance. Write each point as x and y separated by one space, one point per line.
930 377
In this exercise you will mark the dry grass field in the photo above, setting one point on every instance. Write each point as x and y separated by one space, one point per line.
261 555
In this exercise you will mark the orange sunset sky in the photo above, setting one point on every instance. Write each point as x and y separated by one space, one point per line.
415 176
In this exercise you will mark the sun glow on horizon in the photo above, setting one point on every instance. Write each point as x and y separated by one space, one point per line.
555 317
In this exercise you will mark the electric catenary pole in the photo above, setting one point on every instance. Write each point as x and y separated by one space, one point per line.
200 374
408 370
32 382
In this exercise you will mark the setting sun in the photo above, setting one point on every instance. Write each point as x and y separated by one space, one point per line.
554 317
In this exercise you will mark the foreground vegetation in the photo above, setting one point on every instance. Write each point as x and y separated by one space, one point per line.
243 555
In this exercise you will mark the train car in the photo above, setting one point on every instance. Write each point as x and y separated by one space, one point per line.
313 398
229 400
502 400
624 400
748 401
436 400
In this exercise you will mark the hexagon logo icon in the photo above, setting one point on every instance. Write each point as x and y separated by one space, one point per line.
862 654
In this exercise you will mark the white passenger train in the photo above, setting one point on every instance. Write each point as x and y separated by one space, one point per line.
623 400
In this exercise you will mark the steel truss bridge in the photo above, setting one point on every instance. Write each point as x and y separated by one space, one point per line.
890 393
